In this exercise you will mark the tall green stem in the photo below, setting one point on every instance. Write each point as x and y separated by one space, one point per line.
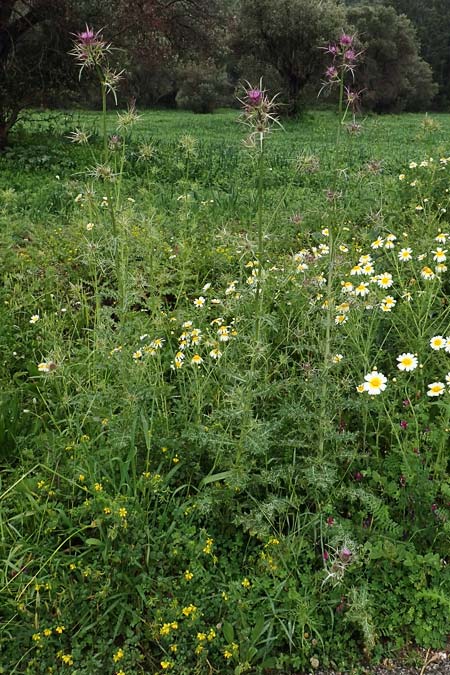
330 279
104 128
260 213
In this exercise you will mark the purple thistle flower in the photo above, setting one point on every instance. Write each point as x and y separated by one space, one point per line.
254 96
345 554
404 424
90 49
331 72
332 49
350 55
87 37
346 40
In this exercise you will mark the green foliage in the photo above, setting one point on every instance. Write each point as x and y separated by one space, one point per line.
432 23
203 87
246 513
393 76
286 36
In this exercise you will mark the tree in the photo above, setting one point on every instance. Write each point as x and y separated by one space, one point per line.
35 37
29 55
393 76
432 22
288 35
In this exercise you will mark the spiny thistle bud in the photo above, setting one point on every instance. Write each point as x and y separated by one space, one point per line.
79 136
90 49
258 113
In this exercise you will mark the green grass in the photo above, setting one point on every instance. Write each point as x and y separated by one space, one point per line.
248 513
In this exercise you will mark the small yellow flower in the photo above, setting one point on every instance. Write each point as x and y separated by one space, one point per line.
245 583
98 487
199 649
120 672
36 637
106 510
67 659
81 477
118 656
190 610
211 634
173 648
123 512
188 575
60 629
47 632
166 665
208 546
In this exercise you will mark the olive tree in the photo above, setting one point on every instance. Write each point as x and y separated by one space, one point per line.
287 35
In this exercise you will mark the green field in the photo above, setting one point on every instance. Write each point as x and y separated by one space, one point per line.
224 394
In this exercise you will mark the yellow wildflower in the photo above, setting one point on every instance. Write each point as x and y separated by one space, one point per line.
118 655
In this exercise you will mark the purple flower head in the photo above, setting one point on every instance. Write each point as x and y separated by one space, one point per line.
345 40
358 476
254 96
332 49
406 402
90 49
345 554
331 72
404 424
88 36
350 55
326 555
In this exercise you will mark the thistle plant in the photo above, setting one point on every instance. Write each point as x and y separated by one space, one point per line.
259 115
92 52
344 60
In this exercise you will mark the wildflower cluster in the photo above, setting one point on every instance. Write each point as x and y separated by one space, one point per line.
345 58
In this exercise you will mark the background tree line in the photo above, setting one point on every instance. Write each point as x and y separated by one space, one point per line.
192 53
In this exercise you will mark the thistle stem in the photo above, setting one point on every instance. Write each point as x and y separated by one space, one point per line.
260 197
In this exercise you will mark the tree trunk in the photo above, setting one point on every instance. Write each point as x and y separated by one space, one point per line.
295 85
4 129
6 123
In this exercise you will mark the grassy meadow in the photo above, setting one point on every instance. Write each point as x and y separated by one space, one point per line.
224 394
